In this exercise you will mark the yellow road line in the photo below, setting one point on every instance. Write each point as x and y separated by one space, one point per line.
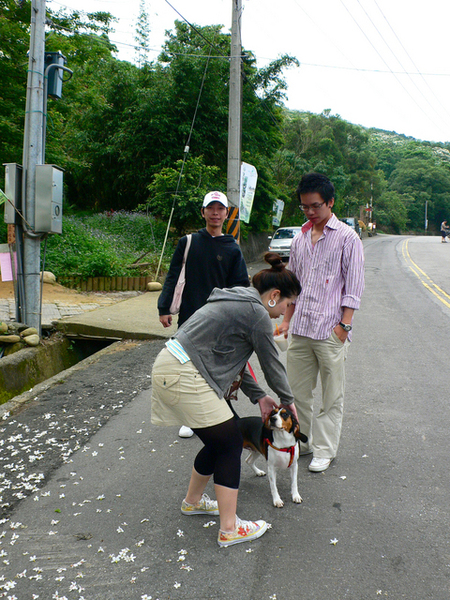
423 277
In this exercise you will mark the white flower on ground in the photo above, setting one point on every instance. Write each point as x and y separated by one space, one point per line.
334 541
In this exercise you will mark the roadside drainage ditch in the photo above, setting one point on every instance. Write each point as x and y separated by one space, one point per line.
21 371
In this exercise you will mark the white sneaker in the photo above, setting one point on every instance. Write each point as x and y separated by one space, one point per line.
319 464
185 432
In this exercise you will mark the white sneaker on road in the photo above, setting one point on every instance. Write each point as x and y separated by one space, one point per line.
319 464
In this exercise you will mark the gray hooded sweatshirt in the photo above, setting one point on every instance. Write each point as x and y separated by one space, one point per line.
221 336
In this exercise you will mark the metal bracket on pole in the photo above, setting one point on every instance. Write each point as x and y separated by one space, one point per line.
47 71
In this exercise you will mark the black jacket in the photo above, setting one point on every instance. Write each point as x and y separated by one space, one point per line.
212 262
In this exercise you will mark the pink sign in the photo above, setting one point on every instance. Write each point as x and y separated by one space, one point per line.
5 266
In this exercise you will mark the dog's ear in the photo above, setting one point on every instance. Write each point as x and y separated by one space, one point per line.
267 421
299 435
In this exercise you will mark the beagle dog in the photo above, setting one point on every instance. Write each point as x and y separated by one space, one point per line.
277 440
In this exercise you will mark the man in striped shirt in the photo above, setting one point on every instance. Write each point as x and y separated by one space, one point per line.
327 257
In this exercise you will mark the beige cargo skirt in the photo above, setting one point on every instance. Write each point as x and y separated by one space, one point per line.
181 396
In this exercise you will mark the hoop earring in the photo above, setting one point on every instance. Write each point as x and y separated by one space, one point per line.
272 303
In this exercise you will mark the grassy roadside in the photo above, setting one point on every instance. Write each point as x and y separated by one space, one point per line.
110 244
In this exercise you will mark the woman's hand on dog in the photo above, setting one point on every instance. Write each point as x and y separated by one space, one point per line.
266 405
293 410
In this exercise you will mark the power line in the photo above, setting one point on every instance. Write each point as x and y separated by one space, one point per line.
387 65
326 36
397 59
408 55
377 90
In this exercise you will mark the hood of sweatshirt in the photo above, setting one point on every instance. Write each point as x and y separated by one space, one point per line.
221 239
236 294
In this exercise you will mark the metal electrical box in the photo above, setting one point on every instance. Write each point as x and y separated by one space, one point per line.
55 75
13 191
48 199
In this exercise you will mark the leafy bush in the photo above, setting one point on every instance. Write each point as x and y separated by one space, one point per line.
3 230
106 245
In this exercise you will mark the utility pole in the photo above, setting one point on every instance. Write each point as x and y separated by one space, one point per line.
235 122
32 156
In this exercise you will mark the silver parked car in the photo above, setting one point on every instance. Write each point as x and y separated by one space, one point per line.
281 240
353 223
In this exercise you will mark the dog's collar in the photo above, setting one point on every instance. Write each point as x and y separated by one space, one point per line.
290 450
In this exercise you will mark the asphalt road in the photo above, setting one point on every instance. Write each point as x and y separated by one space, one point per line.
92 491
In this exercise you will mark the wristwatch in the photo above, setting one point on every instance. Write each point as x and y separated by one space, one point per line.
345 327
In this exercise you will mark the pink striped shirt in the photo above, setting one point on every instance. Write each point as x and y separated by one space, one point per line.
331 274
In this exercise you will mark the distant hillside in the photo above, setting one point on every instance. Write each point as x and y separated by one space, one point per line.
399 176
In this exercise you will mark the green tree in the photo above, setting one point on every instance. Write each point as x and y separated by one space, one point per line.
14 44
142 37
196 181
422 180
328 144
391 212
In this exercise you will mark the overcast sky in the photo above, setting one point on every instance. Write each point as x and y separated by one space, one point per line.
376 63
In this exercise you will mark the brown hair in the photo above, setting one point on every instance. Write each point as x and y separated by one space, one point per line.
277 277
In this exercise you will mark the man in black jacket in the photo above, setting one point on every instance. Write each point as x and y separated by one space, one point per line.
214 261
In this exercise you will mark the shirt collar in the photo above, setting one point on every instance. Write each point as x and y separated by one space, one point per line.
332 223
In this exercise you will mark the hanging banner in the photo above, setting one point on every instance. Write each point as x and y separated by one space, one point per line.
278 207
249 177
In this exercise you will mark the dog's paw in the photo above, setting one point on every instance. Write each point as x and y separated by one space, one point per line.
260 473
296 498
278 502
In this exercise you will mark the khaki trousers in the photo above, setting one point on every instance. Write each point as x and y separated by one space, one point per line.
306 358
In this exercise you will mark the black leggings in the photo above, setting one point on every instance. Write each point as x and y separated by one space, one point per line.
221 454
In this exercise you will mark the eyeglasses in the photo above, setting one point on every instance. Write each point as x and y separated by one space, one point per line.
305 207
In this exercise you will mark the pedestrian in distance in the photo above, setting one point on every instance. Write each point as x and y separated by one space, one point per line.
199 367
445 231
214 260
327 257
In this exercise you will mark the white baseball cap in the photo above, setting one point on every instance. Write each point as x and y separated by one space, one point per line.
215 197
